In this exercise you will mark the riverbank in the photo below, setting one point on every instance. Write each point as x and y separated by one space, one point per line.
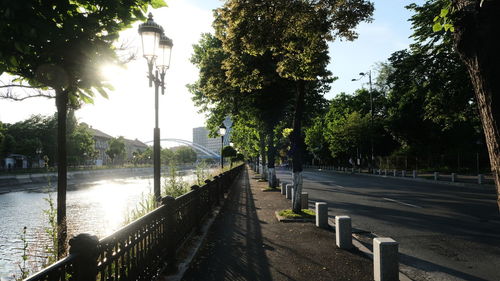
30 182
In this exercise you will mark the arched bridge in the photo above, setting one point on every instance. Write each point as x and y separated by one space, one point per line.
208 153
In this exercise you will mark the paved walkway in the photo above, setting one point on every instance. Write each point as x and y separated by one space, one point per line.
246 242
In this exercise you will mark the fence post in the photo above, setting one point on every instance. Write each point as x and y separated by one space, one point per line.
403 173
414 174
436 176
85 247
197 205
453 177
395 173
220 189
480 179
171 223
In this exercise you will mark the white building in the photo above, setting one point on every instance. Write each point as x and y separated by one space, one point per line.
200 137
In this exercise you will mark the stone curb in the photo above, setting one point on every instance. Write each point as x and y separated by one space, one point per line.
459 184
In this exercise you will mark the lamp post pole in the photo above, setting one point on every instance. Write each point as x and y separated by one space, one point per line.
156 49
363 74
156 145
221 154
222 132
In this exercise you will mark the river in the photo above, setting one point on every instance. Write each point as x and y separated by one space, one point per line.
98 207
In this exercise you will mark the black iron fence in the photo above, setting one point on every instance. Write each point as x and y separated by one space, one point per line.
146 247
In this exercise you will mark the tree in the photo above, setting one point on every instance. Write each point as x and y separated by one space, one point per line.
476 25
184 154
116 149
167 156
59 45
294 34
473 25
80 145
229 152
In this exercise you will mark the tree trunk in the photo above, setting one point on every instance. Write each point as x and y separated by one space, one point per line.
263 172
476 32
271 157
297 148
62 167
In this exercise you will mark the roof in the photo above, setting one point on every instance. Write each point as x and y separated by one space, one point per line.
136 143
97 133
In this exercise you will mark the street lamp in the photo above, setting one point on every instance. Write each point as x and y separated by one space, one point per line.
222 132
38 153
363 74
156 49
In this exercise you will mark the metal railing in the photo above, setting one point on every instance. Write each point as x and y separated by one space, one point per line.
146 247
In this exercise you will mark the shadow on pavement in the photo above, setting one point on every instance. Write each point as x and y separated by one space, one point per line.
233 248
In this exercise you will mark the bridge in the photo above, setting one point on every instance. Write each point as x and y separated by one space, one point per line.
207 153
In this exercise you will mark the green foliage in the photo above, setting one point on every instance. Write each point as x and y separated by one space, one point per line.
81 145
146 204
51 230
116 149
23 267
184 154
61 45
201 173
167 156
304 214
174 185
228 151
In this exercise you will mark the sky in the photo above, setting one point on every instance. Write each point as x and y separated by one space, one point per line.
129 111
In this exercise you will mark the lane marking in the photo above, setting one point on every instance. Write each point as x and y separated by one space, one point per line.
402 203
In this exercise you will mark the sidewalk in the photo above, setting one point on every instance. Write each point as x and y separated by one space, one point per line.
246 242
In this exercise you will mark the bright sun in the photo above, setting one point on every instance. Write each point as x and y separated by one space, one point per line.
112 73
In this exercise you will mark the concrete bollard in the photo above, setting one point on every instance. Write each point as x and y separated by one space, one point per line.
304 200
395 173
385 259
436 176
414 174
289 191
380 171
453 177
321 215
385 172
403 173
283 188
374 171
480 179
343 232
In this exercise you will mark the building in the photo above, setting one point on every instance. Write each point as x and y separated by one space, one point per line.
101 140
132 146
200 137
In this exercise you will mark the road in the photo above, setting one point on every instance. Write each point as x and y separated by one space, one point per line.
445 232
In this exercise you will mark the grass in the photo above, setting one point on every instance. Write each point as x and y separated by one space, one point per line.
304 214
270 189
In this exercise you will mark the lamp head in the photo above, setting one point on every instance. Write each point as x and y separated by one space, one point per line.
222 129
164 54
150 33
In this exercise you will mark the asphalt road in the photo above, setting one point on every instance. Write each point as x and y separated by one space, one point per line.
445 232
